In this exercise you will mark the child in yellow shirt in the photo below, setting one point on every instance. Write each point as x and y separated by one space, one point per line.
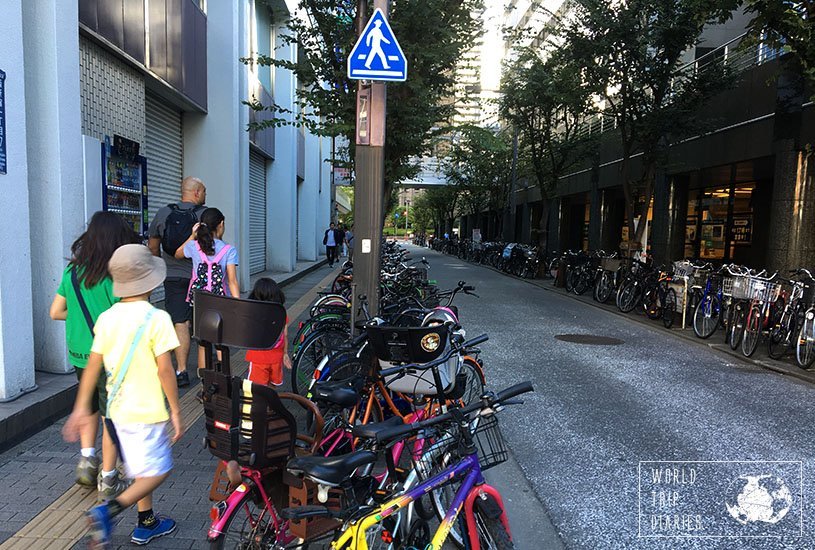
134 339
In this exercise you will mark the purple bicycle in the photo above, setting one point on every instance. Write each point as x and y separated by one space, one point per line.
472 435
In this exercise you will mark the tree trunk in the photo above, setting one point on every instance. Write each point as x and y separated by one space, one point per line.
543 237
648 190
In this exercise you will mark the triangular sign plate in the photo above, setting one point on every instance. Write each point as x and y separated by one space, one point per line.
377 54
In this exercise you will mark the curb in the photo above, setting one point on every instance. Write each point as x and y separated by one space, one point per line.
26 422
300 274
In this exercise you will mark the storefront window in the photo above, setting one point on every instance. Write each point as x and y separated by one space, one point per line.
720 219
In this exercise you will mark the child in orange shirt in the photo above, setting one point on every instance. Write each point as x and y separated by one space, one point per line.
266 366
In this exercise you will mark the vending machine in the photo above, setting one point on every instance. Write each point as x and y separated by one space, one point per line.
124 182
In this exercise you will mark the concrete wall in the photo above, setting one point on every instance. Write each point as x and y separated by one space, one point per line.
55 175
216 145
16 328
282 191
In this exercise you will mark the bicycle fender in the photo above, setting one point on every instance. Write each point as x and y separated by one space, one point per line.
491 502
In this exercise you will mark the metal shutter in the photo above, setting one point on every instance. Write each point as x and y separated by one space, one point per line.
163 149
257 213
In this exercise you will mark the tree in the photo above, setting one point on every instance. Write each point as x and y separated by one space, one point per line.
478 165
432 33
436 204
547 101
788 25
630 52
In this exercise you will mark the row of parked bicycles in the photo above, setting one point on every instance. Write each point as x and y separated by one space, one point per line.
385 437
521 260
747 305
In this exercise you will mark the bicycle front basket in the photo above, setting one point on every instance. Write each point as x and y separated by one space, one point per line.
492 449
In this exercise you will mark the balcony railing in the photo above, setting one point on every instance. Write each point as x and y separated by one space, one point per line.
733 55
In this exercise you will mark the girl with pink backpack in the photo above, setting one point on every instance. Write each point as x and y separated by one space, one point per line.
214 262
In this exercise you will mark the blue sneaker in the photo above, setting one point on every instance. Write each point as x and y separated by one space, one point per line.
143 535
100 525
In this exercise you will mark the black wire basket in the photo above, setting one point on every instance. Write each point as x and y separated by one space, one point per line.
492 449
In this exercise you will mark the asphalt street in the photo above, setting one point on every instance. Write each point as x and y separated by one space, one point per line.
652 443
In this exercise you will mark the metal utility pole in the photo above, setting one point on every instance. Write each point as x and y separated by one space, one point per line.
509 223
407 215
369 186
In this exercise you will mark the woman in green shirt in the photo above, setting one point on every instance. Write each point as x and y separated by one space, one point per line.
85 291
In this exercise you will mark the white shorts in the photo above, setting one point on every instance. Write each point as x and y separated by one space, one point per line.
145 449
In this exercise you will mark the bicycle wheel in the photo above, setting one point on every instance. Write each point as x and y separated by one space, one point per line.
606 287
474 384
651 303
628 296
736 327
553 267
249 526
314 349
571 279
781 336
805 347
492 534
752 331
669 308
706 316
583 283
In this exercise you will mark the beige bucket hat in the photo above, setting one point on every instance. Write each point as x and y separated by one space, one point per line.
135 270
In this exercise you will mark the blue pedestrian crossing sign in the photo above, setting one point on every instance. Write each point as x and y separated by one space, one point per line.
377 55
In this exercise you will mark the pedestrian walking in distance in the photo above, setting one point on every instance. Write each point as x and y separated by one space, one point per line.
85 291
332 239
214 263
134 340
168 230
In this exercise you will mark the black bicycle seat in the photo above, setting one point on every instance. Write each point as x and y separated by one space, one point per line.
336 392
331 470
369 431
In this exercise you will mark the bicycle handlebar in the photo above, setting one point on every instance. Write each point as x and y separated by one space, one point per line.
487 400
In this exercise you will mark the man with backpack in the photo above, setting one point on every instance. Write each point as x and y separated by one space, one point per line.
169 230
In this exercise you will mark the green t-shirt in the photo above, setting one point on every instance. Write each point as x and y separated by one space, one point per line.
77 333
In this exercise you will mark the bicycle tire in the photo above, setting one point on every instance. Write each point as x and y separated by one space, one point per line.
606 287
706 317
651 304
736 327
804 355
628 297
492 535
311 352
669 308
571 278
780 337
553 267
229 539
475 384
752 331
583 283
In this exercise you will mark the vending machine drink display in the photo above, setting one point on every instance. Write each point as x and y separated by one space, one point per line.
124 182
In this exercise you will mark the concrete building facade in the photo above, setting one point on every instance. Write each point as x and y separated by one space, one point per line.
739 191
167 75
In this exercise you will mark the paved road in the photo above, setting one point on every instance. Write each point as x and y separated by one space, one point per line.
598 411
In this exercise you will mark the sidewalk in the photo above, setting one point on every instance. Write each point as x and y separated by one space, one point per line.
55 393
44 509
